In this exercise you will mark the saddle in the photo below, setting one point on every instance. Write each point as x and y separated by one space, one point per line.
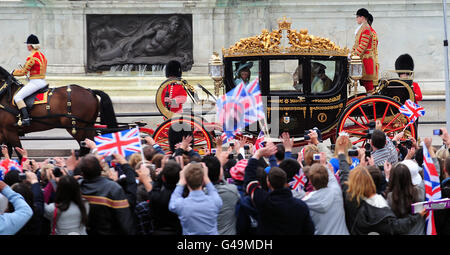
38 97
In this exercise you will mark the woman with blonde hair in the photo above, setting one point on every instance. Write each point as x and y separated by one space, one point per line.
366 211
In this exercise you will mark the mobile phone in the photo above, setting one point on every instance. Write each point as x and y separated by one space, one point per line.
213 151
109 158
437 132
316 157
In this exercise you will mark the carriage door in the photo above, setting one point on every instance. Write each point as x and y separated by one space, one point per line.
286 103
325 94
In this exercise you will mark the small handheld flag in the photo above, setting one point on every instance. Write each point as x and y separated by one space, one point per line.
124 143
412 111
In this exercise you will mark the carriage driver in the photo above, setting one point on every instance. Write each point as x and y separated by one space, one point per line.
36 65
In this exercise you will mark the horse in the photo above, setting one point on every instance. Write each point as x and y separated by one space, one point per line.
71 107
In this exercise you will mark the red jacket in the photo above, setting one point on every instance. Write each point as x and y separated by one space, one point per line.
36 65
417 92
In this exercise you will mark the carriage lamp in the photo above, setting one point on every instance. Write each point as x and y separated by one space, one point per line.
215 70
355 68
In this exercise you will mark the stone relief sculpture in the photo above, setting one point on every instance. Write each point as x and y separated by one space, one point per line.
139 39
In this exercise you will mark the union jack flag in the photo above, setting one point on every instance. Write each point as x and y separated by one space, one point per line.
412 110
124 143
432 188
231 110
259 141
256 112
298 182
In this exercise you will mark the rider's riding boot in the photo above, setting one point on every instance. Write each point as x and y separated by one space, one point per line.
23 111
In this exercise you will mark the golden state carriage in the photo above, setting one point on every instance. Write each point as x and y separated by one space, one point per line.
307 83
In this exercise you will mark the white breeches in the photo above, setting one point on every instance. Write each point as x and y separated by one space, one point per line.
32 86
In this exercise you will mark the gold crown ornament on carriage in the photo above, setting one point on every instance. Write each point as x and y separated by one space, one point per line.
271 43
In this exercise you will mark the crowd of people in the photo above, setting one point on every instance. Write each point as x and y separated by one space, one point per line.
238 190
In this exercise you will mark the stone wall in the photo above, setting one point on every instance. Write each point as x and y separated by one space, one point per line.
414 27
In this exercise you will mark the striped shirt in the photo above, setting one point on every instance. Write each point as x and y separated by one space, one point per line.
388 152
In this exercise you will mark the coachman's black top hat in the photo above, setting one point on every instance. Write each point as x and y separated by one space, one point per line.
363 12
32 39
173 68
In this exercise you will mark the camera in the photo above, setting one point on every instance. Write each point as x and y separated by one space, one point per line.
51 161
407 143
371 129
316 157
151 167
57 172
246 147
213 151
231 144
352 153
143 141
77 154
83 144
368 149
319 134
437 132
22 176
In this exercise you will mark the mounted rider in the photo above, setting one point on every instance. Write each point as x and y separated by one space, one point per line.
36 66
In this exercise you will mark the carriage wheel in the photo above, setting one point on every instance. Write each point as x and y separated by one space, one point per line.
356 118
147 131
202 138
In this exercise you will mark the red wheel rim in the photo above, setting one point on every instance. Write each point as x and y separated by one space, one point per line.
356 125
202 142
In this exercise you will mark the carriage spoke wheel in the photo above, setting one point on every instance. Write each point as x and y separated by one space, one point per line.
202 138
357 116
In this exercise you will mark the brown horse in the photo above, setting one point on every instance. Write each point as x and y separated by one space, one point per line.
71 107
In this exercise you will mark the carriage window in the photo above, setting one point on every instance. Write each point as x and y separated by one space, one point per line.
322 75
286 75
245 71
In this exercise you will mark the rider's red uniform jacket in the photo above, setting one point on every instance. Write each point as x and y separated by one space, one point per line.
36 65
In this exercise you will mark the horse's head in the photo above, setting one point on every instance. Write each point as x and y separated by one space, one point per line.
7 83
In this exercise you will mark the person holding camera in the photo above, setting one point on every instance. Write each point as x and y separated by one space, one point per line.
199 210
314 137
12 222
164 222
226 220
344 145
279 212
383 147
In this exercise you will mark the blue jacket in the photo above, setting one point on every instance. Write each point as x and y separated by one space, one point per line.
10 223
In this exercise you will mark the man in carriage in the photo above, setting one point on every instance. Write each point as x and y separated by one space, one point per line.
365 47
36 66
